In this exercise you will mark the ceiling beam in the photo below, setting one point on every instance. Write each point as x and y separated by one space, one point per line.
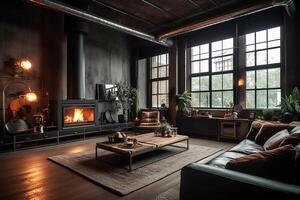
142 19
226 16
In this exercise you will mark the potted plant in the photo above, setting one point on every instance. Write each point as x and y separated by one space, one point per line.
165 129
183 101
126 96
289 105
267 114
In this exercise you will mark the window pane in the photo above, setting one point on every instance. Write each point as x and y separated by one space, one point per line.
227 81
162 72
154 87
154 100
216 99
261 36
275 43
195 99
261 46
216 82
217 65
154 72
204 56
163 59
195 50
261 78
274 78
216 46
204 48
227 98
155 61
162 99
195 84
261 57
261 99
204 99
216 53
228 43
250 39
250 79
162 87
250 99
274 33
274 56
227 63
250 59
250 48
204 83
195 67
204 66
274 97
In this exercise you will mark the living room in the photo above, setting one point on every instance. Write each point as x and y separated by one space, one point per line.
149 99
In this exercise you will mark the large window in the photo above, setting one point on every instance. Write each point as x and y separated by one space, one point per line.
263 60
212 74
159 80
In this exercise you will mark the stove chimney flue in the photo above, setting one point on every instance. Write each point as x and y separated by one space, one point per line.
76 31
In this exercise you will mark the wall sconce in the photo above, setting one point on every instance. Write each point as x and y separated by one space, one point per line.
17 67
29 96
241 82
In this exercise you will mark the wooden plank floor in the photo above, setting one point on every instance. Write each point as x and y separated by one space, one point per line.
27 174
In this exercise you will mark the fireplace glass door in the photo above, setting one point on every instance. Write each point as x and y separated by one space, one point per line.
78 116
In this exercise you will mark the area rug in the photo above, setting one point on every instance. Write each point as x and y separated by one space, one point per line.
110 171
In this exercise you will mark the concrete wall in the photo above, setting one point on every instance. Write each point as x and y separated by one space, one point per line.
142 83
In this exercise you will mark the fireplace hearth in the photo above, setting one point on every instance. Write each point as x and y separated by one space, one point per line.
74 113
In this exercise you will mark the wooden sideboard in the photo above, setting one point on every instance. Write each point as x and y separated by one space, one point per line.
215 127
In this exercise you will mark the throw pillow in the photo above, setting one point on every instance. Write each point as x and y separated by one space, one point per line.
274 141
292 139
277 164
268 130
254 129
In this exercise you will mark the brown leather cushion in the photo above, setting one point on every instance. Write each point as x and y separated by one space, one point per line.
277 164
293 139
255 127
268 130
274 141
150 117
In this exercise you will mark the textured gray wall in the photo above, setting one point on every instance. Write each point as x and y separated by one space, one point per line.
108 56
142 83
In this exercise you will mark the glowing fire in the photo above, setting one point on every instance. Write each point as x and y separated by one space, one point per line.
79 115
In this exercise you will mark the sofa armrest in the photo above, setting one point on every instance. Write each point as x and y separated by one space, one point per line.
200 181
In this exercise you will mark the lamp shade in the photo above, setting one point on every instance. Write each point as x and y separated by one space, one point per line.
31 96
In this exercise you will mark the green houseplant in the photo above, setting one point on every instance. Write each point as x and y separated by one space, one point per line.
267 114
289 105
165 128
127 97
183 101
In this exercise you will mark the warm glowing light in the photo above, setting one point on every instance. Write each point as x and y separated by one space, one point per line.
25 64
241 82
79 115
31 96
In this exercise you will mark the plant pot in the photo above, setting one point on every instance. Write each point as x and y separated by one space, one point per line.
121 118
288 117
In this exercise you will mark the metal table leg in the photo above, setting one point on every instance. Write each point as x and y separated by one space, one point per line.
130 162
187 144
96 149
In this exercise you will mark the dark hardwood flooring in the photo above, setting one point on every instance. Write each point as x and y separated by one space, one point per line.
27 174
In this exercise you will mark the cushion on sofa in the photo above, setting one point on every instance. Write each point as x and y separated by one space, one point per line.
274 141
254 129
268 130
277 164
295 130
224 158
292 139
247 147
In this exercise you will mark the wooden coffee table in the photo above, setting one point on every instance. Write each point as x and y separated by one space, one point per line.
146 143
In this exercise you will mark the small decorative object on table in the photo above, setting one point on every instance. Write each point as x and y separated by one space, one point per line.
119 137
131 142
166 130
